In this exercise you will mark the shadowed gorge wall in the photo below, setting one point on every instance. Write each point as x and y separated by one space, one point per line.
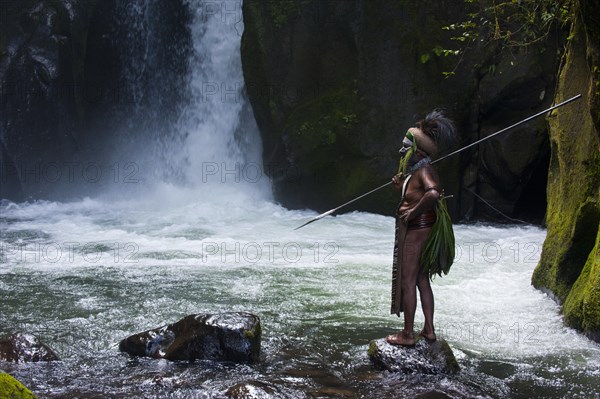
73 74
336 84
42 52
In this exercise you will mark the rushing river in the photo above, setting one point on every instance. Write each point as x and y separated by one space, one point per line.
86 273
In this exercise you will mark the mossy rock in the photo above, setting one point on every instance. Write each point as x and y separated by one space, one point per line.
582 307
569 266
10 388
254 333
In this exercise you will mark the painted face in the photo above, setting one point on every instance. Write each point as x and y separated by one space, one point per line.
407 143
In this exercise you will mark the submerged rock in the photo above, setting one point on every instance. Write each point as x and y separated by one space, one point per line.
20 348
13 389
252 390
224 336
425 357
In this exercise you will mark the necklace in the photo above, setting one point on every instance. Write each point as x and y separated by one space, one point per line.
420 164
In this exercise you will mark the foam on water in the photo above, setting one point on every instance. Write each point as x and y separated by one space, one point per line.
485 305
199 257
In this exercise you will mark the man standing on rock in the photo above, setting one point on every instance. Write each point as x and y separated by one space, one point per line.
424 243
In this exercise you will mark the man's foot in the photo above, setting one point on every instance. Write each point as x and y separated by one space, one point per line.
402 338
428 336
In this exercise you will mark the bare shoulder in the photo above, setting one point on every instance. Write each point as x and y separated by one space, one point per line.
428 176
427 172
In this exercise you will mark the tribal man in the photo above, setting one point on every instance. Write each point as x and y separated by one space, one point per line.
419 217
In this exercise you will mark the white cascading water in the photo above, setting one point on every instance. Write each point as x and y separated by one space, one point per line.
222 146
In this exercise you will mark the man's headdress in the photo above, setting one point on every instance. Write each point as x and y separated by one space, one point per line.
437 132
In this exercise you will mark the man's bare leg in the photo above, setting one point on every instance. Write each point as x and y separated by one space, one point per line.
413 245
427 303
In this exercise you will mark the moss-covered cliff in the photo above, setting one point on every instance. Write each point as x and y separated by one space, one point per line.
570 264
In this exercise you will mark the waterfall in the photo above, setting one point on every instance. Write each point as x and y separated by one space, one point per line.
205 135
220 142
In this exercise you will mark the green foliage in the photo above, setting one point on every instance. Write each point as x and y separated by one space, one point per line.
438 253
323 133
440 51
514 23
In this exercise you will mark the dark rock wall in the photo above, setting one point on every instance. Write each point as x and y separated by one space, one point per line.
82 80
42 52
335 85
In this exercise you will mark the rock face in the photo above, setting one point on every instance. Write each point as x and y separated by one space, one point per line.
425 357
20 348
11 388
42 50
66 72
335 84
224 336
569 267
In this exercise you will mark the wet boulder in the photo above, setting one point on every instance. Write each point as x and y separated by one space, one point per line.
223 336
252 390
22 348
425 357
13 389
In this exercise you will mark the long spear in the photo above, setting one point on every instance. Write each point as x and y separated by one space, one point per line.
329 212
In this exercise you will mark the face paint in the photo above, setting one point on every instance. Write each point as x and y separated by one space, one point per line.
407 143
409 147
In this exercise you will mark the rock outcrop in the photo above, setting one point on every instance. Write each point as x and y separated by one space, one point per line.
23 348
224 336
11 388
71 74
42 52
569 268
335 84
425 357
